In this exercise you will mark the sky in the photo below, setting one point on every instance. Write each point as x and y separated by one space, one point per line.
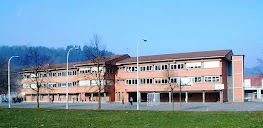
170 26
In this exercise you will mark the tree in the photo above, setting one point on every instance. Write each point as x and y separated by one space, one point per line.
97 55
4 76
259 69
173 83
37 63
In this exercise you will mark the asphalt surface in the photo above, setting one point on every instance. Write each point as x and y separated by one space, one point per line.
228 106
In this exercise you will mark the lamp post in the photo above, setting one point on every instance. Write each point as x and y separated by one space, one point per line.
138 71
76 48
9 89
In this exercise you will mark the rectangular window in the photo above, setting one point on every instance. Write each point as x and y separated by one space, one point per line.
59 85
26 85
54 74
197 79
74 73
161 80
146 81
74 84
161 67
131 69
59 73
142 68
173 80
193 65
84 83
209 79
110 82
186 81
63 85
212 64
176 66
131 81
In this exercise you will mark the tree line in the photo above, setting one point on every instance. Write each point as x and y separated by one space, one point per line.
55 55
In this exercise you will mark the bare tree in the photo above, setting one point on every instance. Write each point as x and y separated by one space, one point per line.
258 70
173 83
37 64
97 55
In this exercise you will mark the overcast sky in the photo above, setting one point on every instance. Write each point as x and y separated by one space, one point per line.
169 26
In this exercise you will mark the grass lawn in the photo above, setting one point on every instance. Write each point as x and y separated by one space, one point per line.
28 118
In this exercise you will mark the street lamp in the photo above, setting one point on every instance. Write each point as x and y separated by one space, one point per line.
76 48
9 90
138 71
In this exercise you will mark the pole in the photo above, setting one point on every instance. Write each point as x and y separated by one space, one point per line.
9 88
138 73
67 76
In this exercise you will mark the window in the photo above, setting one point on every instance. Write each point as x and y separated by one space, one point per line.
176 66
26 85
84 71
50 74
74 84
110 82
145 68
146 81
173 80
212 64
70 73
27 76
44 75
209 79
59 85
51 85
161 67
63 85
110 70
161 80
120 80
197 80
84 83
131 81
59 73
74 73
186 81
193 65
54 74
131 69
44 85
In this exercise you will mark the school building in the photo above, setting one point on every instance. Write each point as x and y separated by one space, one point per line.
207 76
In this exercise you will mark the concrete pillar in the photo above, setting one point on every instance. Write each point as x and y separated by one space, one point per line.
140 97
79 97
170 97
58 97
91 97
186 97
31 97
259 93
221 96
104 97
203 96
49 98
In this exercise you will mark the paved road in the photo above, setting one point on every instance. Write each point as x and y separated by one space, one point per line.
246 106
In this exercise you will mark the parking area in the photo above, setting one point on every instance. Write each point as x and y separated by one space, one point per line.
245 106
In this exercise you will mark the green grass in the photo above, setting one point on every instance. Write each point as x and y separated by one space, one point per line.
28 118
